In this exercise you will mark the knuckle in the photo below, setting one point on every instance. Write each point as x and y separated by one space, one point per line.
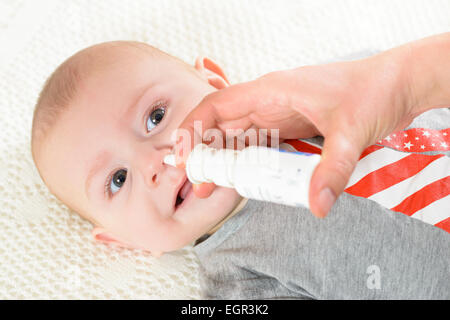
275 88
276 76
209 101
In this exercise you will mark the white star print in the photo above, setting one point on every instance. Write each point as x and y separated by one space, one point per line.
426 133
444 145
405 135
408 145
397 146
444 134
422 147
433 144
394 135
388 138
417 138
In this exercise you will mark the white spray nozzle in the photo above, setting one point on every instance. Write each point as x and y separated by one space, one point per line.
170 160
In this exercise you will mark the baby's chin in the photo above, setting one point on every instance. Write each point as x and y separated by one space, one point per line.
191 220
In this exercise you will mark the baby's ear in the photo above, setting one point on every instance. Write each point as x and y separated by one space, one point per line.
212 72
101 235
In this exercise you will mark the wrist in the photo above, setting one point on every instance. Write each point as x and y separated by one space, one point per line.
392 77
426 73
405 91
416 86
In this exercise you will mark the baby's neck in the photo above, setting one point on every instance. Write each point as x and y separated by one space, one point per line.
236 209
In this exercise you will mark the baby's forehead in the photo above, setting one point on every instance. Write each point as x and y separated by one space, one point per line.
99 59
103 57
127 59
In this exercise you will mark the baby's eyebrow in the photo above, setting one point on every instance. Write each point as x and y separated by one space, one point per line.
131 109
98 163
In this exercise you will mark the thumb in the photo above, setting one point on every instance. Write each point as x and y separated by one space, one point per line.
340 155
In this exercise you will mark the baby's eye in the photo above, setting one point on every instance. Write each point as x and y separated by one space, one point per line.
117 180
155 118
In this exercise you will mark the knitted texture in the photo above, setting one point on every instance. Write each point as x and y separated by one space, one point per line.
46 251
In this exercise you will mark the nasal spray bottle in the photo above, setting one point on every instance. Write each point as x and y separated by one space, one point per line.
259 173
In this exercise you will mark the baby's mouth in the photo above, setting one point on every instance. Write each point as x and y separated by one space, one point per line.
183 193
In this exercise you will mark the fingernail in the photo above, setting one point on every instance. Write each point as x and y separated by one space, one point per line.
326 200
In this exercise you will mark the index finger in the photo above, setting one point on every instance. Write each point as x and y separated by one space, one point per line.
233 103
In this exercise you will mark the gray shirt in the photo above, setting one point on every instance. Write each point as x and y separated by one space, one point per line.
361 250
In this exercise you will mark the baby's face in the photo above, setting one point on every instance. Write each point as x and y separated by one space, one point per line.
105 155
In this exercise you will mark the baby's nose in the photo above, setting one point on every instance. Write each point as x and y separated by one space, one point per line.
153 180
152 173
153 166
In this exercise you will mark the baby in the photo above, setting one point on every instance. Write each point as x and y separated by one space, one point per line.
101 128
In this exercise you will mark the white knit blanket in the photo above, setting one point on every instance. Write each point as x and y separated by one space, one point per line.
46 251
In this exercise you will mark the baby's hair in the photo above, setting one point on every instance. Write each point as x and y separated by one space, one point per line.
61 88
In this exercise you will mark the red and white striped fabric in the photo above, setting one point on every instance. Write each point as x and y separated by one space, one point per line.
412 183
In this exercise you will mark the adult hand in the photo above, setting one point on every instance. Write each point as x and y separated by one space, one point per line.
351 104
